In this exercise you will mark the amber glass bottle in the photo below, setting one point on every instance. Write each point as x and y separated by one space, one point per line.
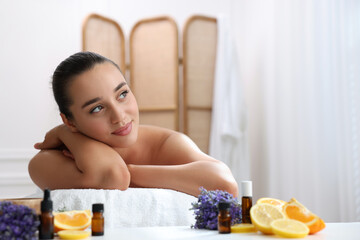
246 201
46 228
224 218
97 222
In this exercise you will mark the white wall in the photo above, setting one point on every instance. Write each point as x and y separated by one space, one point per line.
35 37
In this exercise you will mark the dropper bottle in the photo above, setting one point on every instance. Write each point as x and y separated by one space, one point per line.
46 228
246 201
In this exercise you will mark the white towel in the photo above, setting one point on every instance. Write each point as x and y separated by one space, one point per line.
228 126
134 207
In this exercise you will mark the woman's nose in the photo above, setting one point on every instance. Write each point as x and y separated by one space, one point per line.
117 116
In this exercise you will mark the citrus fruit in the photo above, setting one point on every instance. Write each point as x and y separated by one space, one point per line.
289 228
263 214
72 220
272 201
243 228
295 210
73 234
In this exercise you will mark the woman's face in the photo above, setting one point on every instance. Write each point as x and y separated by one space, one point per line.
103 106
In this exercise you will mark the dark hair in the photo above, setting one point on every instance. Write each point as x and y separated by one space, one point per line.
65 73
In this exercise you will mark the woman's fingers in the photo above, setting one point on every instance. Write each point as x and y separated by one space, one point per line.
38 145
68 154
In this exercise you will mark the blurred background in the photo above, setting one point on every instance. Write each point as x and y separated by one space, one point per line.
298 65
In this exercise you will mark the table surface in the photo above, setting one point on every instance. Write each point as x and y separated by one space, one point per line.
333 231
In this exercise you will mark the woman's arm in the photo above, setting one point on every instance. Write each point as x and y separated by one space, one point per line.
183 167
94 164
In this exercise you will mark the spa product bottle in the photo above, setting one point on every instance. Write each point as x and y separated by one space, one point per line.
97 222
246 201
224 218
46 228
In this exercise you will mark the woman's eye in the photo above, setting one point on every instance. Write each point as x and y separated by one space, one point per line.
96 109
123 94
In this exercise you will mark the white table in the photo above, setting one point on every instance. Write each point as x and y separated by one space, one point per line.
333 231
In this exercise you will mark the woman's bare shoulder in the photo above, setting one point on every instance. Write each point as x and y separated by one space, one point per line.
171 147
146 149
154 132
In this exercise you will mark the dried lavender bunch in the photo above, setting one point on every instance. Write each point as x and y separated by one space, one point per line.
206 208
17 222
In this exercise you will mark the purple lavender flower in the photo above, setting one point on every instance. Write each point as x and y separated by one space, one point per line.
206 208
17 221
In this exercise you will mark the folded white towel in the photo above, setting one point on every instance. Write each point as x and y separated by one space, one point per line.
135 207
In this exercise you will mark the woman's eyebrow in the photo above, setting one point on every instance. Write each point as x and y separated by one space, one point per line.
119 86
90 102
98 99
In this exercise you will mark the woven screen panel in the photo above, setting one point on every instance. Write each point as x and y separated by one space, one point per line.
154 70
164 119
199 59
105 37
199 127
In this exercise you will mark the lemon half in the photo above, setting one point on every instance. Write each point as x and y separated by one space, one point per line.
262 215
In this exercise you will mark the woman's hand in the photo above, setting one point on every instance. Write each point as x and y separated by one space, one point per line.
68 154
52 139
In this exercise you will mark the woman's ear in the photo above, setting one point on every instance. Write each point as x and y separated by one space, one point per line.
68 123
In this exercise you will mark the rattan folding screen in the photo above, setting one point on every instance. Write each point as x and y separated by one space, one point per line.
154 65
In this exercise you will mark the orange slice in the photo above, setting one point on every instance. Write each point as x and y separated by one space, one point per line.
295 210
273 201
263 214
72 220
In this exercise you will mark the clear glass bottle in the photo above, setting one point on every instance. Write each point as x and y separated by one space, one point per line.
224 218
246 201
97 222
46 228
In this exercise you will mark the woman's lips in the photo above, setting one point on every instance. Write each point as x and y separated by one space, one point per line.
123 131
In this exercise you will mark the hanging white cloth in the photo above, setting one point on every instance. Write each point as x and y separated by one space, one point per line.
228 141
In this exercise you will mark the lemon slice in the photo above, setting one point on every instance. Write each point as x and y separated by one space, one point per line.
73 234
243 228
289 228
263 214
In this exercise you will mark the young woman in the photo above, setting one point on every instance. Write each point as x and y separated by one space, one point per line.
101 144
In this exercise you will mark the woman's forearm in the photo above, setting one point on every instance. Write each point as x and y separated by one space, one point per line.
98 162
186 178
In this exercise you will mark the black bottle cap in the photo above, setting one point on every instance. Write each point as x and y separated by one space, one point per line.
224 205
98 207
46 203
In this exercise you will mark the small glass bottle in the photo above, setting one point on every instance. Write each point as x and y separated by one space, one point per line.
46 228
224 218
246 201
97 222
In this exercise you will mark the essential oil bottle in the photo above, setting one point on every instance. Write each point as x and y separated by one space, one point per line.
97 222
46 228
246 201
224 218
